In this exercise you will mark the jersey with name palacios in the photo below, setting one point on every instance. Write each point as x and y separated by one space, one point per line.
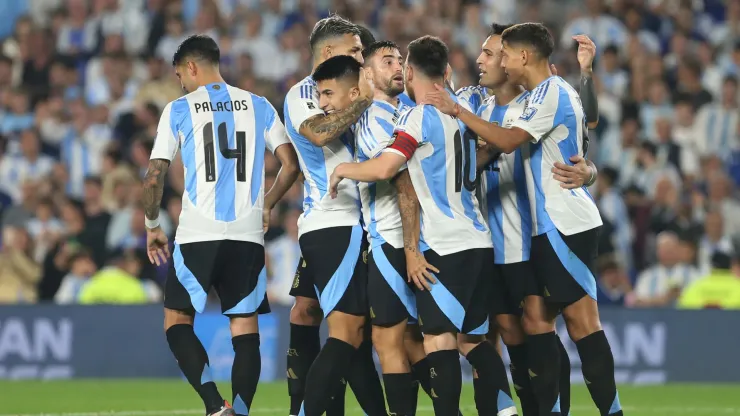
503 185
554 117
317 164
441 164
373 132
222 132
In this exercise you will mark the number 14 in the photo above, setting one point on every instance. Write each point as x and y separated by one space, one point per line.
223 146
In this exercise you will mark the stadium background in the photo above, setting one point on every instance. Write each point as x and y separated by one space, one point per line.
82 84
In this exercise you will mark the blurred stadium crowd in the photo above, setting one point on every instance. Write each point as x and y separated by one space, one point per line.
82 84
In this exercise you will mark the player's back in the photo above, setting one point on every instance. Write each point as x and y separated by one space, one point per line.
317 163
222 132
443 172
373 133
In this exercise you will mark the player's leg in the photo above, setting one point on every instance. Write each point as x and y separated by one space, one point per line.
305 343
494 393
413 343
564 379
538 320
576 290
391 302
241 283
188 282
332 255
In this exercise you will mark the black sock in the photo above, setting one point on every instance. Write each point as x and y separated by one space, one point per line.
336 405
491 378
305 345
245 372
420 370
193 361
414 392
365 383
520 377
564 379
482 404
446 381
544 371
399 390
597 365
331 365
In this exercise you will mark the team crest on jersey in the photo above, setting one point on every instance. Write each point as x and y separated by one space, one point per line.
392 140
528 113
310 105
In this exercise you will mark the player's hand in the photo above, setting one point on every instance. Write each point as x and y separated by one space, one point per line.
334 181
586 52
442 101
157 246
366 86
419 271
266 212
572 177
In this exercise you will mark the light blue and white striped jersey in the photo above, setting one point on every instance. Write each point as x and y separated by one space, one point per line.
373 133
658 279
504 190
472 97
16 169
82 155
554 117
716 130
441 164
317 164
222 132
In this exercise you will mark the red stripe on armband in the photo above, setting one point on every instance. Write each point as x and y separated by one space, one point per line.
404 143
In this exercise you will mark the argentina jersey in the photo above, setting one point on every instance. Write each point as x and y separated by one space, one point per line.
317 163
554 117
504 198
442 169
472 97
373 132
222 133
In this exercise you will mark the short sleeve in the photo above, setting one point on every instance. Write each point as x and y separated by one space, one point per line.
471 98
302 103
538 117
275 135
407 134
373 133
167 141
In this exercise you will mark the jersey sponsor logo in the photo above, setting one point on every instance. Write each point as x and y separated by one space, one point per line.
310 105
207 106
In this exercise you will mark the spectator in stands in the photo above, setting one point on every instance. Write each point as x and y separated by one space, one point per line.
118 283
19 273
28 165
717 123
612 207
714 241
81 268
652 173
284 253
45 229
689 83
720 198
613 284
661 284
720 289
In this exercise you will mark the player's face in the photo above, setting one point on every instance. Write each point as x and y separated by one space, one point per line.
386 70
408 77
492 74
349 45
512 61
336 95
186 73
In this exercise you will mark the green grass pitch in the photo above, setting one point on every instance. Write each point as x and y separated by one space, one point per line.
175 397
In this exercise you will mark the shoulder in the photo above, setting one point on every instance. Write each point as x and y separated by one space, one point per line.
303 89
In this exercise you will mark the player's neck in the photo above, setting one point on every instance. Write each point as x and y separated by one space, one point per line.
537 76
382 96
211 78
425 86
506 93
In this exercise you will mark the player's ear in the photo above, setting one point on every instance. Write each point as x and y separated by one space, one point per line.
326 52
192 68
354 92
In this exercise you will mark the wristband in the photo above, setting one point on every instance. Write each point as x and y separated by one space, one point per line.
151 224
592 179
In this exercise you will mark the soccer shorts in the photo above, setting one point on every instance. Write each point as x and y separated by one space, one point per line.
389 293
511 283
236 269
459 301
564 265
303 282
336 260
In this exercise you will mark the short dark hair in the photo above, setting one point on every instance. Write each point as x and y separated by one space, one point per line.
721 261
338 67
93 180
374 47
649 147
366 36
330 27
535 35
497 29
197 47
429 55
610 174
730 78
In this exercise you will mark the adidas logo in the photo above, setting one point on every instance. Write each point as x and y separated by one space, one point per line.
292 375
531 373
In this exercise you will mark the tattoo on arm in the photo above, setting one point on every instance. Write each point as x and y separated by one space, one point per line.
588 98
321 129
408 204
154 187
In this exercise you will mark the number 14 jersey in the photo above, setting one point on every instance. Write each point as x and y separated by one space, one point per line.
222 133
441 164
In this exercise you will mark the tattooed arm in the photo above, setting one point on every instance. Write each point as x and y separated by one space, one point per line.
323 128
154 187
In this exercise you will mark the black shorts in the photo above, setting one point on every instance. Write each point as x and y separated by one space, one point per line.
303 282
564 265
511 283
336 259
458 302
389 293
236 269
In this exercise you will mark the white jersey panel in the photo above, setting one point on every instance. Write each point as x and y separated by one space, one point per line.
554 117
472 97
317 164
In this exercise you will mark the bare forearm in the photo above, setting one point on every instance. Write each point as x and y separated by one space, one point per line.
283 181
594 173
154 187
499 139
373 170
588 98
322 129
408 205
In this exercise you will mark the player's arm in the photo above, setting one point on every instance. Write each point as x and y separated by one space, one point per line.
583 172
154 189
381 168
485 155
587 93
321 129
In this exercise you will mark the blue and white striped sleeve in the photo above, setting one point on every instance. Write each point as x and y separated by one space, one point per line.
275 135
538 118
302 103
374 133
166 143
